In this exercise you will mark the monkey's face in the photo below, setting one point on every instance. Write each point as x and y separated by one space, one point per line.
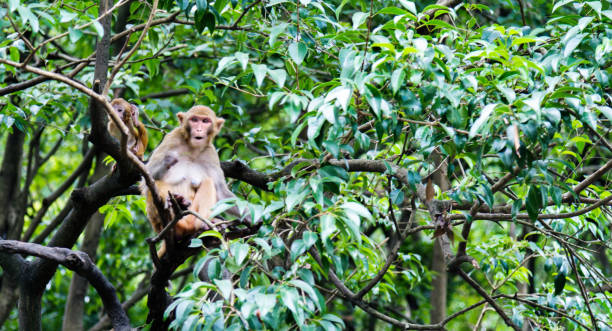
200 129
124 110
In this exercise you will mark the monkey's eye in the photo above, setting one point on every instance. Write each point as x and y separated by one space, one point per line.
206 120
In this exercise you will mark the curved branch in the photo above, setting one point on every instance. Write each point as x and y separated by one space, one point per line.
489 299
246 9
81 264
349 295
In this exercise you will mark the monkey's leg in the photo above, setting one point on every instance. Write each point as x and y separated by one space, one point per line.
202 203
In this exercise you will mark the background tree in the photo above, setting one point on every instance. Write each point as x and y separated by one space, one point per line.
414 165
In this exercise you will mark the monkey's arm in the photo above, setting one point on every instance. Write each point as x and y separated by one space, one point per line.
142 139
158 165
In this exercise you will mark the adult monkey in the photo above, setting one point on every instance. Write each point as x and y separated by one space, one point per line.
186 164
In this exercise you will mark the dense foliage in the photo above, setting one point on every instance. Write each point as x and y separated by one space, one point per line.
385 127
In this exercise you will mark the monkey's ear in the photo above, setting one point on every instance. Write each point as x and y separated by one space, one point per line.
134 110
181 116
219 123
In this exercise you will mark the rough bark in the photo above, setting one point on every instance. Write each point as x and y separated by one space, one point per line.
8 296
438 264
73 314
9 190
29 303
10 175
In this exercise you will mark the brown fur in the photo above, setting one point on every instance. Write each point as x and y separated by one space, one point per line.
137 133
189 169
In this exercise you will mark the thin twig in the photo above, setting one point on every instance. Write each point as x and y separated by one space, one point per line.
118 66
365 50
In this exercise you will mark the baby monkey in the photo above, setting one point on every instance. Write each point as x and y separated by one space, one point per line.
137 133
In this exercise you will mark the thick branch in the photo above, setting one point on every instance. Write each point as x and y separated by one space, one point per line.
82 264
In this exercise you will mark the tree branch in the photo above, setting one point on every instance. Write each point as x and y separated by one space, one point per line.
82 264
489 299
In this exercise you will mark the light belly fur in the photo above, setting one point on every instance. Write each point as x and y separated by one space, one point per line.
185 173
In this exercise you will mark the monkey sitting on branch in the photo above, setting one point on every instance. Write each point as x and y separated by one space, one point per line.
137 133
186 164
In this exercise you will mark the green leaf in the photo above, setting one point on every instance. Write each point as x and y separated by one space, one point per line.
225 287
297 248
265 303
29 17
397 79
99 29
13 4
484 116
334 318
561 3
533 202
195 242
310 238
201 5
328 226
278 76
409 5
224 63
289 297
516 208
572 44
66 16
210 21
392 11
243 58
259 70
211 233
607 111
74 35
264 245
199 20
275 31
14 54
556 195
357 208
559 283
523 40
342 94
183 309
359 18
307 289
596 5
297 51
240 252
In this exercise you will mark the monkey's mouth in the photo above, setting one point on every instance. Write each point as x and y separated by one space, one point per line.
198 138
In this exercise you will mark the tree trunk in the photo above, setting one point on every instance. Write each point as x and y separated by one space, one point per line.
73 314
8 296
30 298
10 175
9 190
438 284
75 303
438 264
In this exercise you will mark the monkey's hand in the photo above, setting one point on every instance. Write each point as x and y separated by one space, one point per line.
181 201
169 161
158 170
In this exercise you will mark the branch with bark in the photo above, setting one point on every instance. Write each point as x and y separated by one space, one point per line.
84 266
